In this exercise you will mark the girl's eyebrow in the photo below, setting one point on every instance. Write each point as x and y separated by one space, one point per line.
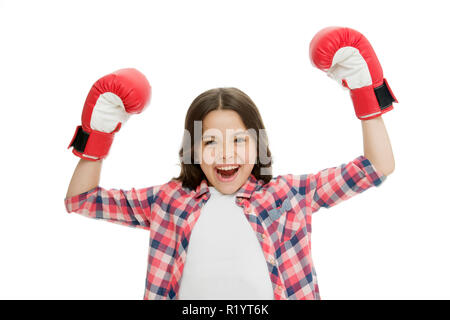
234 134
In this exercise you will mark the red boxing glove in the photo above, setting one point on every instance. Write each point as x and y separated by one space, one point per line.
109 104
347 56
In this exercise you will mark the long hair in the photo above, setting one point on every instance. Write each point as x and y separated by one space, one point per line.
228 98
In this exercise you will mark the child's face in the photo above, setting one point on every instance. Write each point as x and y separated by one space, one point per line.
226 141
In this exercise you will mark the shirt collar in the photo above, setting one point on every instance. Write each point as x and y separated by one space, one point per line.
245 191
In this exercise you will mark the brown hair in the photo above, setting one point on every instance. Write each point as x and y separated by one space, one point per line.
219 99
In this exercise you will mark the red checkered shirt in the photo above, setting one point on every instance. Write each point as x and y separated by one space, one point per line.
279 212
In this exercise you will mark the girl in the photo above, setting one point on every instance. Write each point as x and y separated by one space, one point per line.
225 228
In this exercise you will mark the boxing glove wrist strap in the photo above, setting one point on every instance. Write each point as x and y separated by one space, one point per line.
372 102
92 145
384 95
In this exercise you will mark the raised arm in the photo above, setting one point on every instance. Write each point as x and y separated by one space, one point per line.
110 102
348 57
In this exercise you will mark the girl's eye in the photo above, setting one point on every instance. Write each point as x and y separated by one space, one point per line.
235 140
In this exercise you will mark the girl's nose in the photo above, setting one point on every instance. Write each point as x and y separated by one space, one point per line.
227 153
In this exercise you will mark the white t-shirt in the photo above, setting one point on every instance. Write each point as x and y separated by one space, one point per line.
224 258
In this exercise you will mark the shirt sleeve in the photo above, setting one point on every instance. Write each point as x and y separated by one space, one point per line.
126 207
333 185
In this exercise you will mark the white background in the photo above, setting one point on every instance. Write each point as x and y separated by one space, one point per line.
390 242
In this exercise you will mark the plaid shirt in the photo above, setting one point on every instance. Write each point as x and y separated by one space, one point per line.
279 212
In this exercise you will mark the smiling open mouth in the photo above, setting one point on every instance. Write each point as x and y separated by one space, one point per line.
226 173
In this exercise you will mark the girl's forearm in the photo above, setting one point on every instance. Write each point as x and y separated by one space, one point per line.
85 177
377 146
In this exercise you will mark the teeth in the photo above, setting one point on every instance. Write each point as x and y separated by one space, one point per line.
228 168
